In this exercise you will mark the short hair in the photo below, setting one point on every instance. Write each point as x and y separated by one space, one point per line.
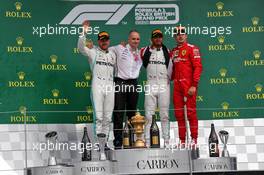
133 30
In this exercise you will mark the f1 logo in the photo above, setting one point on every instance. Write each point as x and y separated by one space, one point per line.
114 13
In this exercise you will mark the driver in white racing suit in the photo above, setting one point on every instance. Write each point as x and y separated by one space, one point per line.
102 63
158 64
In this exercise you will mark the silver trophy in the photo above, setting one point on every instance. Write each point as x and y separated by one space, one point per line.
51 138
224 138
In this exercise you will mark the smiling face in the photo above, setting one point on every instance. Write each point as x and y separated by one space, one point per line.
104 43
134 39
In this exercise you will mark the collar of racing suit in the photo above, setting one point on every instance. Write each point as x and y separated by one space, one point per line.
152 48
147 55
104 51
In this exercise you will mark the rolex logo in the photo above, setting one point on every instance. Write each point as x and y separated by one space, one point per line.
21 83
87 75
223 79
55 93
222 46
256 61
222 72
21 75
89 109
221 39
55 100
157 109
86 118
255 26
19 40
19 48
258 87
23 117
84 84
199 98
256 54
255 21
225 112
219 5
18 6
18 13
22 110
220 12
258 95
225 105
53 59
53 66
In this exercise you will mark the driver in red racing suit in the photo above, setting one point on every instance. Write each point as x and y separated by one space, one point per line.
187 69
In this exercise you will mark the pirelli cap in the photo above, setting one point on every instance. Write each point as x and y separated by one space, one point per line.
103 35
179 30
156 33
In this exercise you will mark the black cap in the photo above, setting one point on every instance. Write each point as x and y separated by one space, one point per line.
103 35
156 33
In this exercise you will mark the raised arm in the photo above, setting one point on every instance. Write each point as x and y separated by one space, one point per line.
87 49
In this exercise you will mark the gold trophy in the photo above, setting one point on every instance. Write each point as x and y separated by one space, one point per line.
138 121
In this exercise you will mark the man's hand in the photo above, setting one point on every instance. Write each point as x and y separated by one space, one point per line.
123 43
89 44
192 90
86 25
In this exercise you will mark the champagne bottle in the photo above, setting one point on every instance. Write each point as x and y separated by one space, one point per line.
213 143
126 135
154 134
87 154
131 135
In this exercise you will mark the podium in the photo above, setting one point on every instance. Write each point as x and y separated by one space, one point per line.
45 170
215 164
150 161
142 161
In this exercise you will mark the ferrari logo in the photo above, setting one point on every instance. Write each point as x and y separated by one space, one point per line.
183 52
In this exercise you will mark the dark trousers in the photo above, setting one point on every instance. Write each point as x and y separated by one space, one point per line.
126 98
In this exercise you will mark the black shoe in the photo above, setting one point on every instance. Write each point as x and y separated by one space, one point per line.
118 147
118 144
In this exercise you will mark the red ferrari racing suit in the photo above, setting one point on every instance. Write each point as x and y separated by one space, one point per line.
187 69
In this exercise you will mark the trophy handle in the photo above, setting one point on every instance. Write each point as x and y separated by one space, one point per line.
129 123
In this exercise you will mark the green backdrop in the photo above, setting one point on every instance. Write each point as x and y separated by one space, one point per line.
47 73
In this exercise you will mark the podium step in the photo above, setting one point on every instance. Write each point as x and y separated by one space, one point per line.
150 161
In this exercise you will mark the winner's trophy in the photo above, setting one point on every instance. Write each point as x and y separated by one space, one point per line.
138 123
51 138
224 138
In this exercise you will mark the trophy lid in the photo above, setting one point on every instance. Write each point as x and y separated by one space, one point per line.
138 116
51 134
223 132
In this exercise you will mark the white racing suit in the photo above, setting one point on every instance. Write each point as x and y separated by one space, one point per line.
102 64
157 91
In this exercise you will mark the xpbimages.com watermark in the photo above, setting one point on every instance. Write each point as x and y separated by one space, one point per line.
147 89
80 147
57 29
72 146
48 30
211 31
